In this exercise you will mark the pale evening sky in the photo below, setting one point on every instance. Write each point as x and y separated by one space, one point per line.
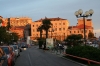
37 9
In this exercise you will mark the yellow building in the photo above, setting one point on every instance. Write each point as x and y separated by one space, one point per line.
60 27
18 24
79 28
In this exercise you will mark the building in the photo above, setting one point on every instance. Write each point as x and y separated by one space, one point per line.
18 24
79 28
58 30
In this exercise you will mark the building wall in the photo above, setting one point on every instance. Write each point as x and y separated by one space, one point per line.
88 22
76 30
60 27
18 24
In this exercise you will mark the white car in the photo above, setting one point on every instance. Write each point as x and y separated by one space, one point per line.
94 45
16 50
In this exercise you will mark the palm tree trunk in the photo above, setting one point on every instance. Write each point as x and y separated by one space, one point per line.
45 39
40 34
46 33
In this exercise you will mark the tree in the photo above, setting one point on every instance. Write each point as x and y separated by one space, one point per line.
40 28
46 23
0 21
2 33
74 39
14 37
8 24
90 35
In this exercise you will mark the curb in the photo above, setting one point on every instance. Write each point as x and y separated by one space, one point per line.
75 62
69 59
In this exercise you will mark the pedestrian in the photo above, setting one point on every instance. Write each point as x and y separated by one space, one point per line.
65 47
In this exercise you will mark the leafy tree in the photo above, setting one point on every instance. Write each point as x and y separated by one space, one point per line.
0 20
15 37
2 33
40 28
90 35
74 39
46 25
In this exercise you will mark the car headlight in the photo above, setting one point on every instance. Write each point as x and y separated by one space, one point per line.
8 56
16 50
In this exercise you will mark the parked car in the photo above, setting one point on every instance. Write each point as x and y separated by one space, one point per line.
19 47
3 58
13 50
10 55
16 50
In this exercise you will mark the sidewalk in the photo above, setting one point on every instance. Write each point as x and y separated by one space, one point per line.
62 54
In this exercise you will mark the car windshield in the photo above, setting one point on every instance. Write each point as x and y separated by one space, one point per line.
15 47
6 50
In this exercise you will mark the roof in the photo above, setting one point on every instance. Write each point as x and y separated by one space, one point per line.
51 19
80 27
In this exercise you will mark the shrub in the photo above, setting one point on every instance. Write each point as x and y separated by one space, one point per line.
85 52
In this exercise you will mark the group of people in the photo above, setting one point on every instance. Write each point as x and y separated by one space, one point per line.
58 47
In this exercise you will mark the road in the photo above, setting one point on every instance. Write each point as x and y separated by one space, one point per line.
37 57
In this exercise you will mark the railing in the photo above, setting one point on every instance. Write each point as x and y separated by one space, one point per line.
88 60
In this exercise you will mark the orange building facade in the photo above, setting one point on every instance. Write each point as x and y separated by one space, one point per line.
79 28
61 28
18 24
58 31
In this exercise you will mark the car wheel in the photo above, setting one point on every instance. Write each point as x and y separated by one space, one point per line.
13 63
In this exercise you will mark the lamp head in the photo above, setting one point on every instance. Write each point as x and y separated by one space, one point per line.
76 13
87 13
91 12
80 11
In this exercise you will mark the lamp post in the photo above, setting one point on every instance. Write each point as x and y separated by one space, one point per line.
95 34
79 14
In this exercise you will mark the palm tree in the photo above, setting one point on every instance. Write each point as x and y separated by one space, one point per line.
46 25
40 28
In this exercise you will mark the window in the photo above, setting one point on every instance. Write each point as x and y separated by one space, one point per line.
55 29
63 23
55 23
59 29
59 23
74 31
78 31
81 31
63 28
36 25
70 31
89 30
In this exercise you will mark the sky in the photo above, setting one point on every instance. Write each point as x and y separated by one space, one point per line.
37 9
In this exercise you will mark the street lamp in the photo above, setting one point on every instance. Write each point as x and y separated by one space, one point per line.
79 14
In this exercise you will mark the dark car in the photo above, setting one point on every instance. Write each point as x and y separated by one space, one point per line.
3 58
24 45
